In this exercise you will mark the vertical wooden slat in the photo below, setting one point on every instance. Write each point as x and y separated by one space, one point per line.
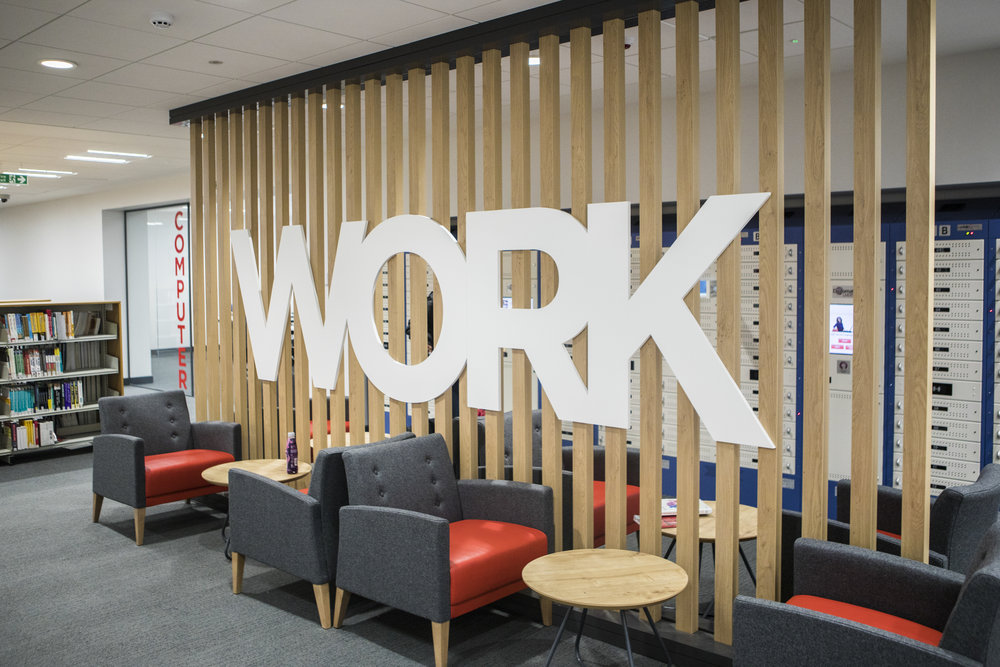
373 213
816 370
300 373
727 455
772 238
254 419
688 428
238 362
615 466
867 222
650 251
520 197
921 94
441 170
417 116
352 164
334 219
317 243
282 217
582 182
211 227
265 176
548 140
465 121
492 199
225 377
196 213
394 206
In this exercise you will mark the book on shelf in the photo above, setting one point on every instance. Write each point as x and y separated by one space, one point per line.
48 325
28 433
668 507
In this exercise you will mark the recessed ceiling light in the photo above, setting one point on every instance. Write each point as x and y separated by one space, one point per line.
142 155
56 63
91 158
324 105
48 171
35 175
534 60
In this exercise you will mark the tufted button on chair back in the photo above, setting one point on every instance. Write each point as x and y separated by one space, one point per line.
160 418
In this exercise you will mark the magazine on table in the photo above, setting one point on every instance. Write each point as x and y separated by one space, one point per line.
668 510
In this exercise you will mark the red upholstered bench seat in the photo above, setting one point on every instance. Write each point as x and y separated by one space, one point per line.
600 510
486 560
870 617
170 476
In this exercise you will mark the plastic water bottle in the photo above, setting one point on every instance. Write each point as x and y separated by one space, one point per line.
291 455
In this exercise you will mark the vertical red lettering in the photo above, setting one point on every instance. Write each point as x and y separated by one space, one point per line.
180 288
179 244
180 329
182 379
181 358
179 266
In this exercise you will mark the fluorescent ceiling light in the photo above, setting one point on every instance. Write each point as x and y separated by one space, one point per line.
21 173
91 158
142 155
534 60
57 63
48 171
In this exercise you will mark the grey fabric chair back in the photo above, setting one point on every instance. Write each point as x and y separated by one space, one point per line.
160 418
508 439
973 629
631 463
961 515
412 475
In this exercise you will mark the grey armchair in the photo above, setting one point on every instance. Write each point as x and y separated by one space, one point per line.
292 531
856 606
415 538
149 453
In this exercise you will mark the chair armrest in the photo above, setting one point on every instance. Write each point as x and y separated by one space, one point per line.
277 525
919 592
119 468
775 634
396 557
220 436
513 502
889 506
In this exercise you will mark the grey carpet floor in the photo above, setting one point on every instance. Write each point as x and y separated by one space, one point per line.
77 593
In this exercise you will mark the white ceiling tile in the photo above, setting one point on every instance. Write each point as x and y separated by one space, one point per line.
140 115
230 86
195 57
842 11
19 21
277 39
69 105
279 72
126 127
115 94
46 118
16 98
21 55
423 30
252 6
492 10
100 39
377 17
191 18
33 82
161 78
54 6
335 56
171 102
450 6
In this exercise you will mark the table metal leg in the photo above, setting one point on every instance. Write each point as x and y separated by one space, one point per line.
670 549
649 617
226 536
628 644
562 626
747 564
579 634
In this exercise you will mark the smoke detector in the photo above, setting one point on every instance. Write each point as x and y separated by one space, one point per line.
161 20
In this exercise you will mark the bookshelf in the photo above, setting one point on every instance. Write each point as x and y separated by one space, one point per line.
56 361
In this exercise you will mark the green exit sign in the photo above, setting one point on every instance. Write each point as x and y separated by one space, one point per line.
16 179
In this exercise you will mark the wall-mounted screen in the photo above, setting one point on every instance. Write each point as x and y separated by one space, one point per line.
841 328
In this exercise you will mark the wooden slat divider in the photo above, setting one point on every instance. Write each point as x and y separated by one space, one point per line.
816 294
615 466
493 199
441 174
373 214
225 377
196 227
394 206
772 239
549 149
727 455
352 196
867 223
921 95
417 153
582 182
255 438
238 363
300 375
317 246
282 217
465 121
334 220
520 197
213 410
265 251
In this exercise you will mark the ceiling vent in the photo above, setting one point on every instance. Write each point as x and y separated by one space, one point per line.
161 20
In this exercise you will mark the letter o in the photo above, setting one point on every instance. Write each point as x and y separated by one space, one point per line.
179 243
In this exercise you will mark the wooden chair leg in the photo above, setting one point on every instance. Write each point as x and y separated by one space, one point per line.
440 633
546 605
98 501
140 524
238 561
322 593
341 599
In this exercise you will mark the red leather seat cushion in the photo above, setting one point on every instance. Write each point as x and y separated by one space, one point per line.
180 471
870 617
489 555
600 510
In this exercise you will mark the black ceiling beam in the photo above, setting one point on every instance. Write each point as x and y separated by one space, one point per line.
556 18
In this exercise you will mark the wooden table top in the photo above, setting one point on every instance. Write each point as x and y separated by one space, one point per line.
270 468
605 578
706 524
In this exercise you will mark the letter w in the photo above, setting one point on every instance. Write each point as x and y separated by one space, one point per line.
292 274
